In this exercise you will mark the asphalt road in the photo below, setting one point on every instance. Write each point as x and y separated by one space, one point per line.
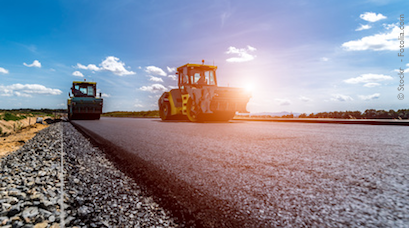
268 174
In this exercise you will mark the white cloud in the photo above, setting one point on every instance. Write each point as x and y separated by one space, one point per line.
370 97
251 48
368 79
324 59
371 84
19 94
89 67
224 16
155 79
305 99
80 66
173 77
379 42
36 63
137 103
363 27
154 88
77 74
404 70
27 90
389 26
103 95
171 69
155 96
3 71
111 63
155 71
372 17
341 97
283 102
243 55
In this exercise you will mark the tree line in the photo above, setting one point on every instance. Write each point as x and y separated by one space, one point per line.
367 114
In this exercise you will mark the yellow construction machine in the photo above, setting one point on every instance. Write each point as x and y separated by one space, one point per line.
199 98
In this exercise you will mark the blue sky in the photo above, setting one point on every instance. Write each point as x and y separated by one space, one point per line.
299 56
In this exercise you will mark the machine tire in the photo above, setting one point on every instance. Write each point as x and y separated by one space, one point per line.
191 111
165 111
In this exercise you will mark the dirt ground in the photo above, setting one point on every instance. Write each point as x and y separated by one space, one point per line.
9 127
17 139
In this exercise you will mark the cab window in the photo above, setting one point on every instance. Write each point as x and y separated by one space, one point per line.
83 90
196 77
209 76
90 91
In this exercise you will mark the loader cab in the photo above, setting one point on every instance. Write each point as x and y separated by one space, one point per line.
84 89
196 75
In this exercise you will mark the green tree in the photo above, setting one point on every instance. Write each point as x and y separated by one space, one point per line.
302 115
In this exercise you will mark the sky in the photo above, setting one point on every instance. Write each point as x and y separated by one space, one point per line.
297 56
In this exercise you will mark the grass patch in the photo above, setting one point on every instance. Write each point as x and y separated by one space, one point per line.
17 126
13 117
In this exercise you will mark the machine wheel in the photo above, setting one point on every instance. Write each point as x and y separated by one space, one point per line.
165 111
191 111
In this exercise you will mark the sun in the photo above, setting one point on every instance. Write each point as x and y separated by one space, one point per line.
249 87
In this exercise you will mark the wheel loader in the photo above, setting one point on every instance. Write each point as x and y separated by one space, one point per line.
84 104
199 99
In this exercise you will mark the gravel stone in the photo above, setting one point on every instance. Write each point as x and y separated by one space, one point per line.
41 225
51 218
3 220
96 193
15 209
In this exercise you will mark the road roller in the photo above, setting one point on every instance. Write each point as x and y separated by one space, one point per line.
198 98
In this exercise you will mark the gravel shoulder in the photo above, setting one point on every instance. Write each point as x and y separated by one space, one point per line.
29 189
96 194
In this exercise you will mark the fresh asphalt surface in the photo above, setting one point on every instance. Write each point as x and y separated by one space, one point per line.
268 174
